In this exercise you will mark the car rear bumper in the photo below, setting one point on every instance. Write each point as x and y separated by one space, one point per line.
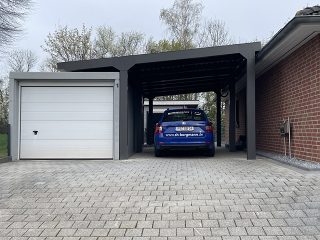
184 146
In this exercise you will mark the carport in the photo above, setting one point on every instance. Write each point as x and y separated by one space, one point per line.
215 69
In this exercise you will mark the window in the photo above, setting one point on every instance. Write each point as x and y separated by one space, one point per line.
176 116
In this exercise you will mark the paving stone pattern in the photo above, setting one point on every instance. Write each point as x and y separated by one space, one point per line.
190 198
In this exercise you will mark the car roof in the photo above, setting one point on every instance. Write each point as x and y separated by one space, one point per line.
183 110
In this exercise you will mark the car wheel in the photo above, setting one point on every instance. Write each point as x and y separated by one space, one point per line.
157 152
211 152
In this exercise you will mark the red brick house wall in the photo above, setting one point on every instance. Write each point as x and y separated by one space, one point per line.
291 89
226 121
241 126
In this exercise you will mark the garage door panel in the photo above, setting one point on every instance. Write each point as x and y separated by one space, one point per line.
67 116
71 122
67 94
72 130
66 149
65 107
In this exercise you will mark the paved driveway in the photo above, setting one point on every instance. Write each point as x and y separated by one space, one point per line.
226 197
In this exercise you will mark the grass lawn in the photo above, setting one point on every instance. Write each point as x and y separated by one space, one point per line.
3 145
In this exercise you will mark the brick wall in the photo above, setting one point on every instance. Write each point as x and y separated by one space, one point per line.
241 127
226 121
291 89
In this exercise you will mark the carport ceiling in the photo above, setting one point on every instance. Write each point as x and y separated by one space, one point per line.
188 75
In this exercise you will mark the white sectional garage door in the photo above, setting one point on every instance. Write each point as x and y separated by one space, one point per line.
66 123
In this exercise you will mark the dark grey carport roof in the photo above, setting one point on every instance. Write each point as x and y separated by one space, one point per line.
195 70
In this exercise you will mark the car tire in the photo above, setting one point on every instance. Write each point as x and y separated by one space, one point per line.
157 152
211 152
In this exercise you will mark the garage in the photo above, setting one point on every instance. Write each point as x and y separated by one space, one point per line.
66 116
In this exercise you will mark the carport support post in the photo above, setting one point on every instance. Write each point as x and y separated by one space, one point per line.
251 108
218 119
150 122
123 115
232 118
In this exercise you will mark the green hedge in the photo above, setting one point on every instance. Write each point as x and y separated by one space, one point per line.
3 145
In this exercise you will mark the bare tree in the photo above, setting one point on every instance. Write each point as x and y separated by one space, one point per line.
213 33
22 61
183 20
66 45
129 43
12 13
18 61
105 41
4 104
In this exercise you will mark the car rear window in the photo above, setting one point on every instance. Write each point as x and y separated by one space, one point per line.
184 116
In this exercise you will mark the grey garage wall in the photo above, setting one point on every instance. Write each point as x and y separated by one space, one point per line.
61 79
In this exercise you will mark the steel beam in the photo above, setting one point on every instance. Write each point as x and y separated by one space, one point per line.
150 127
251 108
123 115
232 118
218 103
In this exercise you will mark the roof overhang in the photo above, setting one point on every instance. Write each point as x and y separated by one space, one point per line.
297 32
178 72
126 62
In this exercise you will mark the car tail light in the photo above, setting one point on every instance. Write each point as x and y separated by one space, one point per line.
209 128
158 129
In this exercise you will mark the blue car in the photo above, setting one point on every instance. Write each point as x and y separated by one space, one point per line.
184 129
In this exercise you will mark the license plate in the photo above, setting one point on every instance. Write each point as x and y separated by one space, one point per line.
184 129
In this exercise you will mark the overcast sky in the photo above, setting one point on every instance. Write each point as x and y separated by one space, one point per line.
246 20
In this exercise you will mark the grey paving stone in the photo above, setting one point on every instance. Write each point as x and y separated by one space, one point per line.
49 225
227 223
309 230
50 232
145 224
243 223
220 231
67 232
193 223
65 224
210 223
147 232
128 224
273 231
277 222
177 224
202 231
33 232
117 232
255 231
291 231
83 232
133 233
237 231
168 232
185 232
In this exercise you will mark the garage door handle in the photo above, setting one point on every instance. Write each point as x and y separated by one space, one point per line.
35 132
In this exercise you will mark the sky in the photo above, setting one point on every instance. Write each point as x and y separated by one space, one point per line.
246 20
